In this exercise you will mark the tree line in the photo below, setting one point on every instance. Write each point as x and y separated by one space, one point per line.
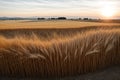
64 18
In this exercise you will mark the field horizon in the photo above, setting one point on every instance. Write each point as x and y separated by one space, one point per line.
52 24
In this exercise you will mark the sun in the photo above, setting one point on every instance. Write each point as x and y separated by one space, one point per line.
107 12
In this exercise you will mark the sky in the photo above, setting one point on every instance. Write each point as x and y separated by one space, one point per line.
83 8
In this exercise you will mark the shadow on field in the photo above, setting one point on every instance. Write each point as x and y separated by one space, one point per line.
112 73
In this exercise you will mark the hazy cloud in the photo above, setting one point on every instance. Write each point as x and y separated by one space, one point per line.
49 6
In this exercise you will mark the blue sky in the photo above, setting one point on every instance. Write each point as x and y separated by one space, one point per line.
27 8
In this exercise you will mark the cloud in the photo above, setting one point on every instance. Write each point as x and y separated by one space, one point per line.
54 6
54 3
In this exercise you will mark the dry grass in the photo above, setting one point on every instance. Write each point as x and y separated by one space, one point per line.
61 56
12 24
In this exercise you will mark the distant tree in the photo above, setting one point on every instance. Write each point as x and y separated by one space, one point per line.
52 18
61 18
40 18
85 18
90 19
80 18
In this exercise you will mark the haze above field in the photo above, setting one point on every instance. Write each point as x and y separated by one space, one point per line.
83 8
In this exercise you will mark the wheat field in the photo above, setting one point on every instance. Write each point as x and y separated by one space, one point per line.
65 55
29 24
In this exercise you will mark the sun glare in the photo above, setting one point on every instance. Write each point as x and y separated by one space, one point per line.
108 10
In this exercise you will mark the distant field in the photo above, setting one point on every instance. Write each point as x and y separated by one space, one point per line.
12 24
